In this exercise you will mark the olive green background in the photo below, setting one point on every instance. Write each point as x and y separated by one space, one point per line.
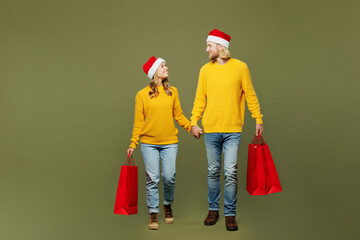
69 72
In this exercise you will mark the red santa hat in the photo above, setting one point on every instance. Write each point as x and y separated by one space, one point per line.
152 65
219 37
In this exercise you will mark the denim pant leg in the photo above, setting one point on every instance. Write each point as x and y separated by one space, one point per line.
213 152
150 154
230 148
168 164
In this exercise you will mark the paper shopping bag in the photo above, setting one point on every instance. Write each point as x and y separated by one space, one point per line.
262 176
255 169
272 182
126 202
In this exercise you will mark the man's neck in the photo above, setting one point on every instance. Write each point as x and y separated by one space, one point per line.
221 61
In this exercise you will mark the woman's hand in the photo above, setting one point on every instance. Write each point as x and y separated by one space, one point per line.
130 151
259 129
196 131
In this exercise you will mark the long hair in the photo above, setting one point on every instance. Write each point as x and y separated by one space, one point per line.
154 92
224 53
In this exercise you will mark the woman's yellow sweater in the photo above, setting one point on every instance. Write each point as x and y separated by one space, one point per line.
154 118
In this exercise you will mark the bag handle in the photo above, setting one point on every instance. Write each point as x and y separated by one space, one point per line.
257 139
128 160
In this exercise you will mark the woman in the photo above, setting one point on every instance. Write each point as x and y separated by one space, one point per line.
156 107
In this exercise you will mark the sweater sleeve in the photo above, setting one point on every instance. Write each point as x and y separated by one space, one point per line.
178 113
138 121
250 96
200 99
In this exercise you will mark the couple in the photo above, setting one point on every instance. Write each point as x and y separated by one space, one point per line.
224 85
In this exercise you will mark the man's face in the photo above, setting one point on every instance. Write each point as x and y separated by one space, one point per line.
213 50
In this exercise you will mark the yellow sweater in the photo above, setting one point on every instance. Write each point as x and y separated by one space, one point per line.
221 92
154 118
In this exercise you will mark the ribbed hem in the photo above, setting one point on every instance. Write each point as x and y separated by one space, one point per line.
222 130
152 141
259 121
193 123
132 145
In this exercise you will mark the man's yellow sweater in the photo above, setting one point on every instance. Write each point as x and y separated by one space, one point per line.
221 92
154 117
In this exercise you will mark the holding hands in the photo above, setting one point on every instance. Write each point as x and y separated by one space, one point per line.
196 131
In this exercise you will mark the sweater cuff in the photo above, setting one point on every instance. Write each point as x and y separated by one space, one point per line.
259 121
132 145
193 123
188 128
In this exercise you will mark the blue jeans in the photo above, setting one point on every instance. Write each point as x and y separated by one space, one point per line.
228 143
150 154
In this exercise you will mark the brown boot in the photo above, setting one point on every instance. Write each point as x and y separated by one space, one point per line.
211 218
169 217
153 224
231 224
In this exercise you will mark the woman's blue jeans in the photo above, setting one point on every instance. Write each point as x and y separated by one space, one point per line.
228 143
150 154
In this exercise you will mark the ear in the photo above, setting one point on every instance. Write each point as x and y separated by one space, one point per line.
220 47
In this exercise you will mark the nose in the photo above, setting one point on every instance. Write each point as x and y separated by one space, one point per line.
208 50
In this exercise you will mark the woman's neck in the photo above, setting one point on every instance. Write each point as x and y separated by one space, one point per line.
159 83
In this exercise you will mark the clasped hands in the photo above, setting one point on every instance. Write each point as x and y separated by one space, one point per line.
196 131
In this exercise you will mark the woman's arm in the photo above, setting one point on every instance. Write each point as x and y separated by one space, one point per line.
138 121
178 113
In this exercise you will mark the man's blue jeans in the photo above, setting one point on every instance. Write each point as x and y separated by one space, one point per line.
228 143
150 154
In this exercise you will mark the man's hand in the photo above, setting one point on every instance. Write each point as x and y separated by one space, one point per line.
130 151
259 129
196 131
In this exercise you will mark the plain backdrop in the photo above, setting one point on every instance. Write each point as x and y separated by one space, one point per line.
69 73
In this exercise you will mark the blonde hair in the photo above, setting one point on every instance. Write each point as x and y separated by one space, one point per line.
224 53
154 92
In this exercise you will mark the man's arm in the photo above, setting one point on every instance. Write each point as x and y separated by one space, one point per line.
252 100
199 105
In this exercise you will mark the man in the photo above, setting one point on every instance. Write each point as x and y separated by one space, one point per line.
224 85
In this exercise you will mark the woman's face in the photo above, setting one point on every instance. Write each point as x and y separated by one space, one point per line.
162 71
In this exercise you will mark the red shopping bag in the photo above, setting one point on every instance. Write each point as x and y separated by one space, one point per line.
262 177
272 182
126 202
255 184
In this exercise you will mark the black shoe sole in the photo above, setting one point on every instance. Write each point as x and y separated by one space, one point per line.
232 229
211 223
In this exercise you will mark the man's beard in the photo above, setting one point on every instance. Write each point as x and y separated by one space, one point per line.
213 57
